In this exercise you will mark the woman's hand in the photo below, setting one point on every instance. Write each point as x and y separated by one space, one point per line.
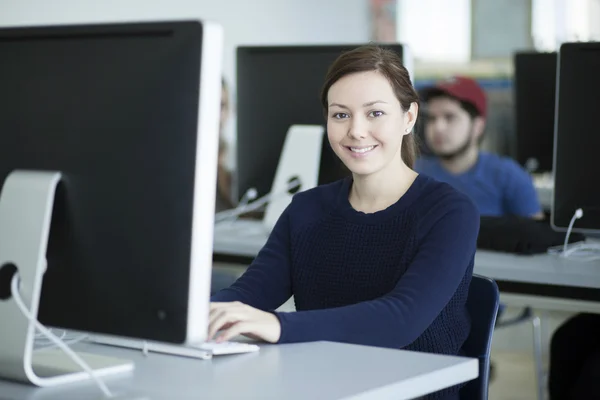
235 318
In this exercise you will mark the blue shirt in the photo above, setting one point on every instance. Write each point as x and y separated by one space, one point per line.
396 278
497 185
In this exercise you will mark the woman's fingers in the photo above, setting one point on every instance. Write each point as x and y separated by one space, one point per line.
236 329
220 320
223 315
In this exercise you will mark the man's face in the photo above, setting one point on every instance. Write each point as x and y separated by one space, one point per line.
449 128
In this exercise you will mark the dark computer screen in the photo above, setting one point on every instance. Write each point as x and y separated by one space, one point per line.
278 87
115 109
534 99
577 140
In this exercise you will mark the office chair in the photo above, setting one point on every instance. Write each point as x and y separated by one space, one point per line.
482 304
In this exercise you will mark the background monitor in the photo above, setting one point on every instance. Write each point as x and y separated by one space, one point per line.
577 140
279 86
534 102
129 113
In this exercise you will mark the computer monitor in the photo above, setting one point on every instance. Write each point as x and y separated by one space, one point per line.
534 99
128 114
576 144
277 87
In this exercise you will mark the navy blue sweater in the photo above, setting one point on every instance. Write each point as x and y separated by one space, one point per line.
396 278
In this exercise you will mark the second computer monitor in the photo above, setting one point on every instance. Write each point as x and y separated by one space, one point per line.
277 87
577 140
534 97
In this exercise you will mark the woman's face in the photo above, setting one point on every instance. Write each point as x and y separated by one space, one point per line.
366 122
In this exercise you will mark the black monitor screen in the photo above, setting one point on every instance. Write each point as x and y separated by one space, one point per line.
535 97
576 161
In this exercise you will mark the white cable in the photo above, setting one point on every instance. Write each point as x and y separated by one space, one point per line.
578 214
51 345
248 197
14 286
255 205
41 336
578 251
581 251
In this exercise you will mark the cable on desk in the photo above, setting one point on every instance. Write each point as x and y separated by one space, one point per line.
14 285
42 342
578 250
257 204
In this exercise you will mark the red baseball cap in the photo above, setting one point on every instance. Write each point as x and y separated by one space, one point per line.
462 88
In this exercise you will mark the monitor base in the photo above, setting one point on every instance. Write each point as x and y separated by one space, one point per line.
26 205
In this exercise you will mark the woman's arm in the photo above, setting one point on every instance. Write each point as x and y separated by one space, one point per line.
401 316
266 284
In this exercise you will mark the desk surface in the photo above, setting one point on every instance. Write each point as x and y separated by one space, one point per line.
242 238
539 269
320 370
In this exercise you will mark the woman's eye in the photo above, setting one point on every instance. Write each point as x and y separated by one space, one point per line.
340 115
375 113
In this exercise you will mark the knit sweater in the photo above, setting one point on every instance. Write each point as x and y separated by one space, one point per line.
396 278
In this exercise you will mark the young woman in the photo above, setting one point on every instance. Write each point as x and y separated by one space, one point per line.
382 258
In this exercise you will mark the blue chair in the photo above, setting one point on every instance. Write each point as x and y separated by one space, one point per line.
482 304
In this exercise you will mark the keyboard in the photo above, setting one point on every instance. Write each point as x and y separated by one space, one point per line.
223 348
204 350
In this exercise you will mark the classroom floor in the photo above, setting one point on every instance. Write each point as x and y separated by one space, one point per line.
515 378
512 354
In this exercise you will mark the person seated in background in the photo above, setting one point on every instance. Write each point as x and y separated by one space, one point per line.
224 199
454 127
382 258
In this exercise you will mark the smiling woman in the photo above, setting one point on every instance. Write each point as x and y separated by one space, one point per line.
382 258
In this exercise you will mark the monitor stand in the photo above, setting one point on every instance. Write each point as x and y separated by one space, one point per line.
300 159
26 205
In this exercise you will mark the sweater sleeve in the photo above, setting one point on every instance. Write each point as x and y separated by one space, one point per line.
400 317
266 284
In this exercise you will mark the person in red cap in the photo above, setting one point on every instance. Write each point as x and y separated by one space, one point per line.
455 116
456 111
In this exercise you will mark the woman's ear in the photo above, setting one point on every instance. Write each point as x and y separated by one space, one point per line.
410 117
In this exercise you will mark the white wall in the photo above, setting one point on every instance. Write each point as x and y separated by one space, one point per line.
244 21
435 30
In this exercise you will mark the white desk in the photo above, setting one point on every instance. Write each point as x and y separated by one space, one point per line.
320 370
542 281
243 238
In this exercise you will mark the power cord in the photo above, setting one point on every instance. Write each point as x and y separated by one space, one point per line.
44 343
579 251
257 204
248 197
578 214
14 286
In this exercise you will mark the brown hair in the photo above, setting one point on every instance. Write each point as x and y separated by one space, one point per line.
388 63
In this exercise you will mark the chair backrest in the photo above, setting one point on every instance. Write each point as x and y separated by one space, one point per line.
482 304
